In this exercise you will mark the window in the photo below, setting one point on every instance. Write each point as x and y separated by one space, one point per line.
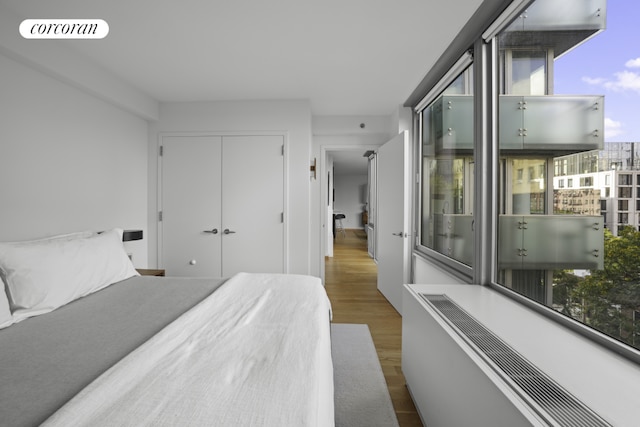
624 192
526 72
446 126
586 181
624 179
539 246
549 234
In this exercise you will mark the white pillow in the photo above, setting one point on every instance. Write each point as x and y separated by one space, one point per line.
68 236
42 276
6 319
5 314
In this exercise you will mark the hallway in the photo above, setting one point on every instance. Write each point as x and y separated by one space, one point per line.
351 283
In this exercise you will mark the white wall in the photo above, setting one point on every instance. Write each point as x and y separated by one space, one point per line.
292 118
69 161
350 198
58 60
428 273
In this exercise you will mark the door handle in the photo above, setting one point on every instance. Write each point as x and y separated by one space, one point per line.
227 231
214 231
401 234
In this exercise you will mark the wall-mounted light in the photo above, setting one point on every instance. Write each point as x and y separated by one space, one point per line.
312 169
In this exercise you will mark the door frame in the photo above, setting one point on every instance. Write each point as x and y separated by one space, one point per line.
395 296
285 190
324 190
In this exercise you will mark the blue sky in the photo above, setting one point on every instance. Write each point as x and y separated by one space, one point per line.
609 64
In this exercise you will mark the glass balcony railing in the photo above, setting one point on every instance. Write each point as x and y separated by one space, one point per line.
528 242
551 124
557 25
565 15
549 242
454 236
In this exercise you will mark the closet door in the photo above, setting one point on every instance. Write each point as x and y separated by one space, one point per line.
252 204
191 216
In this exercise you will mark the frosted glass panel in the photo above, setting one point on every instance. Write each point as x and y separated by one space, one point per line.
456 237
510 240
553 122
453 122
550 123
510 114
551 241
562 15
457 122
567 241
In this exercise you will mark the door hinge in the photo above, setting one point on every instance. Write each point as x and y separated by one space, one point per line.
282 217
160 216
162 150
283 149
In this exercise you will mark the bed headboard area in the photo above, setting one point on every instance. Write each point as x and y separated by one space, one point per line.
71 161
39 276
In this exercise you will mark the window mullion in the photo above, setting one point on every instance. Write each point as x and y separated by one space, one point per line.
486 161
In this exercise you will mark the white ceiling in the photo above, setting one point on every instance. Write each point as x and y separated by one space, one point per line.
348 57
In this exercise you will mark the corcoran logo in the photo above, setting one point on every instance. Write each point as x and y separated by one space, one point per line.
64 29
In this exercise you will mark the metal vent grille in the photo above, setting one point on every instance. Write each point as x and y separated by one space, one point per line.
558 406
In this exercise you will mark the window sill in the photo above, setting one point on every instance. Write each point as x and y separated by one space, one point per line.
606 382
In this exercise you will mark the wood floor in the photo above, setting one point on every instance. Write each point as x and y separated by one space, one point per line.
351 283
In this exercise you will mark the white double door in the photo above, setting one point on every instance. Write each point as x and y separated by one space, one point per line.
222 205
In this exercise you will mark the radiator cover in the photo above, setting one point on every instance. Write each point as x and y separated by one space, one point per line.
547 398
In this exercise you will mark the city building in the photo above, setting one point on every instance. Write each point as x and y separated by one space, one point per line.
601 182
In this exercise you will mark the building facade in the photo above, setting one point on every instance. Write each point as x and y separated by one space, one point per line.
602 182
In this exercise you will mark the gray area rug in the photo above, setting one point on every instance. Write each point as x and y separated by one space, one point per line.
361 395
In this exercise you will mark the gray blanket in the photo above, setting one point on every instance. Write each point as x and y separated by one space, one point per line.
46 360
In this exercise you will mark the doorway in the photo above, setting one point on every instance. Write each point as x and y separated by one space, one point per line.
344 175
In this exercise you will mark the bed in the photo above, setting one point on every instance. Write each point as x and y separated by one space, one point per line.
250 350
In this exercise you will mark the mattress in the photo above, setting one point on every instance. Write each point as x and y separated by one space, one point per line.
48 359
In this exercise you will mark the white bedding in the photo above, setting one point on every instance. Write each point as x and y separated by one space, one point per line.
255 353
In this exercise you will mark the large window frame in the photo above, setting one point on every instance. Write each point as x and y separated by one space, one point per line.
453 266
478 43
